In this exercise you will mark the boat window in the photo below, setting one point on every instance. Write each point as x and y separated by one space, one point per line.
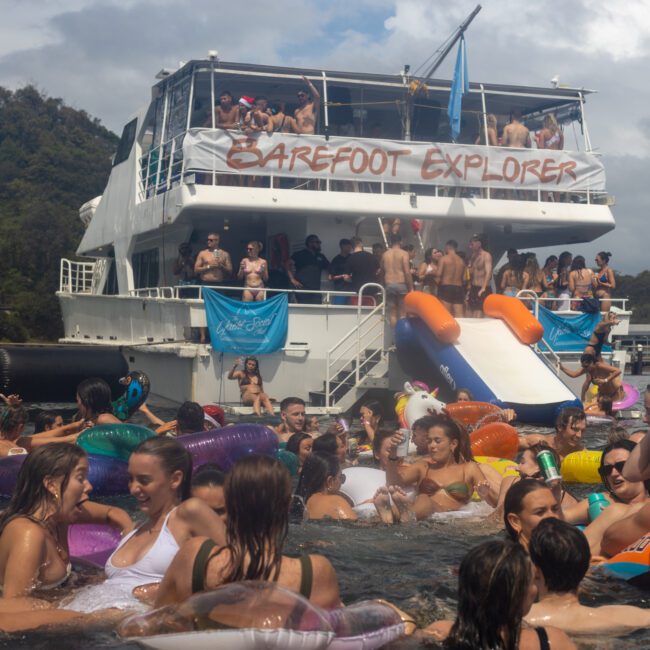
111 288
126 142
178 97
145 268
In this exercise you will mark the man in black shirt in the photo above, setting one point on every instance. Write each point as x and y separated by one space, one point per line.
361 267
337 271
305 269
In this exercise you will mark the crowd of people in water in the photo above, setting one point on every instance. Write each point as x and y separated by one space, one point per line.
200 528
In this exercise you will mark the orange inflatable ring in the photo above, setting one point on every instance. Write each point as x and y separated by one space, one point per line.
469 413
632 563
434 314
496 439
516 316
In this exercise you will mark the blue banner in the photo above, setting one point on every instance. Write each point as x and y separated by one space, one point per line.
568 333
246 327
459 86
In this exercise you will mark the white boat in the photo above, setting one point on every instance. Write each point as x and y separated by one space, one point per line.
173 181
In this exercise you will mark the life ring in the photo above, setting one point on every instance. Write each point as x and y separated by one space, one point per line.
581 467
470 413
114 440
92 543
226 446
496 439
631 398
137 390
632 563
108 476
516 316
361 483
255 614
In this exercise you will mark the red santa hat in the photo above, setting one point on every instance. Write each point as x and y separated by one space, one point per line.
246 101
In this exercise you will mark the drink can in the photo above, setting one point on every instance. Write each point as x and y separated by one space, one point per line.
546 462
345 425
353 447
403 447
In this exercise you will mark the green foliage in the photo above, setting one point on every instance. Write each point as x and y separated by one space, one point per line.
52 160
637 289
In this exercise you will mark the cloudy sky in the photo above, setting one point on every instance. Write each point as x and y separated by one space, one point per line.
102 55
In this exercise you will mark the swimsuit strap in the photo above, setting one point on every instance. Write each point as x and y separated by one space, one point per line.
201 564
306 576
542 635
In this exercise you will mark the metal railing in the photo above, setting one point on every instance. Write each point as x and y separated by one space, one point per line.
77 277
163 167
347 361
529 295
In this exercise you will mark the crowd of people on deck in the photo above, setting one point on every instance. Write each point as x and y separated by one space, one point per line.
460 279
200 528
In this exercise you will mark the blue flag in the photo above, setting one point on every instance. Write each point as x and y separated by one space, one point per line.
246 327
568 333
459 87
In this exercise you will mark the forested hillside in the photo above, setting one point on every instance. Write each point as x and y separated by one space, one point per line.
52 159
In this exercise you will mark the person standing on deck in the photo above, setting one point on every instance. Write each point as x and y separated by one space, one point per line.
480 265
308 111
337 271
361 268
449 277
226 114
396 267
516 134
213 265
304 270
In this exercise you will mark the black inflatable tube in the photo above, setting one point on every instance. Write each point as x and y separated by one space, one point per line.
51 373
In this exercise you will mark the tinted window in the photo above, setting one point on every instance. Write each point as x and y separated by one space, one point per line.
126 142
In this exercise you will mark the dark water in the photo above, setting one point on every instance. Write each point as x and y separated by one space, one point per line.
413 566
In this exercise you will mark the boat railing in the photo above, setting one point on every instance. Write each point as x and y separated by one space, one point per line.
527 295
359 350
78 277
163 167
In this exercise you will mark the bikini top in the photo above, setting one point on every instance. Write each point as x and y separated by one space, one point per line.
553 140
203 557
247 381
457 490
149 568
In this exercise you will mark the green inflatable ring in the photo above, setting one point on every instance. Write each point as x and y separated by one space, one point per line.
113 440
289 460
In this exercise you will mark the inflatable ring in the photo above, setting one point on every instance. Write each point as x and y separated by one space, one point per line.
114 440
226 446
632 564
469 413
92 543
137 389
361 483
257 614
108 476
289 460
496 439
581 467
631 398
504 466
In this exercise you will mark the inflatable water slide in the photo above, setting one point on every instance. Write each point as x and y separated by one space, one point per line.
493 357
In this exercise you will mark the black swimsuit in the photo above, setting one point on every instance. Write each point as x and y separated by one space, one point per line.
542 635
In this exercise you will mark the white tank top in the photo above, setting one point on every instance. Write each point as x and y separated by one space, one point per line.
151 567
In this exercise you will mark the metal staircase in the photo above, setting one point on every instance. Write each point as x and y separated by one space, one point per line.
358 361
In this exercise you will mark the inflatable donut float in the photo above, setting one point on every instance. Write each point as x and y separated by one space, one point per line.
581 467
92 543
632 563
496 439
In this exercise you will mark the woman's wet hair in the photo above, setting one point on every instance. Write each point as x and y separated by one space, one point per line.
208 475
326 444
95 394
13 420
493 582
454 430
628 445
514 501
258 495
173 457
293 444
379 438
316 469
561 552
375 408
43 420
55 460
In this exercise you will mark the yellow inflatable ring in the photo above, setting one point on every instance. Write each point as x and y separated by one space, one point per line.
581 467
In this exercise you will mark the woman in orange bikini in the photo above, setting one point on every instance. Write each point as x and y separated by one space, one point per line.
444 481
255 272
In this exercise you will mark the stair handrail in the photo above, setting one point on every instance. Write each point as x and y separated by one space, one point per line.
354 336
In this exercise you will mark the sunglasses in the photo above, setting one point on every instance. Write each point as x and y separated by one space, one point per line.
606 470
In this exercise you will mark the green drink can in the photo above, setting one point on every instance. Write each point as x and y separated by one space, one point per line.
550 470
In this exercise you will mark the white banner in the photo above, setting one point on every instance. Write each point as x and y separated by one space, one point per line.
392 161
